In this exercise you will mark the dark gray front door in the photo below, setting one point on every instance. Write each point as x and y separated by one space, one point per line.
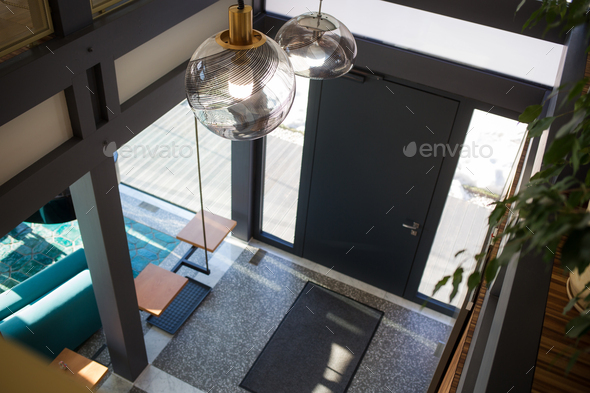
366 184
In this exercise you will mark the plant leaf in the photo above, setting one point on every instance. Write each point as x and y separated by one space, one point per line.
457 278
576 250
551 171
497 214
570 305
474 280
559 149
491 270
530 113
577 89
572 361
571 125
440 284
460 252
538 126
578 326
575 155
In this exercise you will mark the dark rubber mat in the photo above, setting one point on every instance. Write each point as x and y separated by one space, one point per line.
317 347
181 307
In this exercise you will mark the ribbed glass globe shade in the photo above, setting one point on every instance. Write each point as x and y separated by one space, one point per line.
240 94
318 45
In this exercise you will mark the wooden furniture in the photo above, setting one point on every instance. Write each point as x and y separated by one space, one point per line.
216 227
156 288
79 368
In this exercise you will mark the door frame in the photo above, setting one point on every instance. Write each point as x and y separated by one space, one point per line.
437 203
491 97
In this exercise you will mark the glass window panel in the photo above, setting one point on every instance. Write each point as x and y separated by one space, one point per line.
22 22
485 166
284 148
162 161
441 36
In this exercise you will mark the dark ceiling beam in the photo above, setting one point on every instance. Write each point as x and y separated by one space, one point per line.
69 16
499 14
40 73
483 86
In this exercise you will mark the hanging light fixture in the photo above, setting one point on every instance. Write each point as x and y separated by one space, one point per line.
318 45
239 83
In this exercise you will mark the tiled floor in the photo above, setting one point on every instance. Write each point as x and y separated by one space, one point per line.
30 248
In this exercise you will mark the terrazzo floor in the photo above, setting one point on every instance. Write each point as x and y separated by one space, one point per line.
215 348
31 247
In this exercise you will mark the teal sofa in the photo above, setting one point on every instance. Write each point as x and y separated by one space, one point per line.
54 309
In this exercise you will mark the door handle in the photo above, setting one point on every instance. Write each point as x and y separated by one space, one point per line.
415 226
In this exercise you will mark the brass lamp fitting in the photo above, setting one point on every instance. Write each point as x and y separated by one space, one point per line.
240 34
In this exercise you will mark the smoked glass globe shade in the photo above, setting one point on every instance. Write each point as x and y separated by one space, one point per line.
318 45
240 94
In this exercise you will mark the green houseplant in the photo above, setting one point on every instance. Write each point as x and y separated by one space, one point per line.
553 209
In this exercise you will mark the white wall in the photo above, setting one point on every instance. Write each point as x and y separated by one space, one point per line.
147 63
32 135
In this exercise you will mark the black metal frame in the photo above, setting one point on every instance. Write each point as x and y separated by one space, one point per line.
184 261
178 309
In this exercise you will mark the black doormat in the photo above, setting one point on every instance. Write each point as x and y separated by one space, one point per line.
317 347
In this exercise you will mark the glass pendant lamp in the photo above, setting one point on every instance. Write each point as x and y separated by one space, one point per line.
318 45
239 83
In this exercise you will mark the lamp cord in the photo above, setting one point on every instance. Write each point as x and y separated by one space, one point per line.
201 195
240 4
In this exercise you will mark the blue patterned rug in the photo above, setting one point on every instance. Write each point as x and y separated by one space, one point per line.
29 248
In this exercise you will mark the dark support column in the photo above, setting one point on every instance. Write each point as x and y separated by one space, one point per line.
107 78
515 335
80 106
98 209
242 187
574 67
70 16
